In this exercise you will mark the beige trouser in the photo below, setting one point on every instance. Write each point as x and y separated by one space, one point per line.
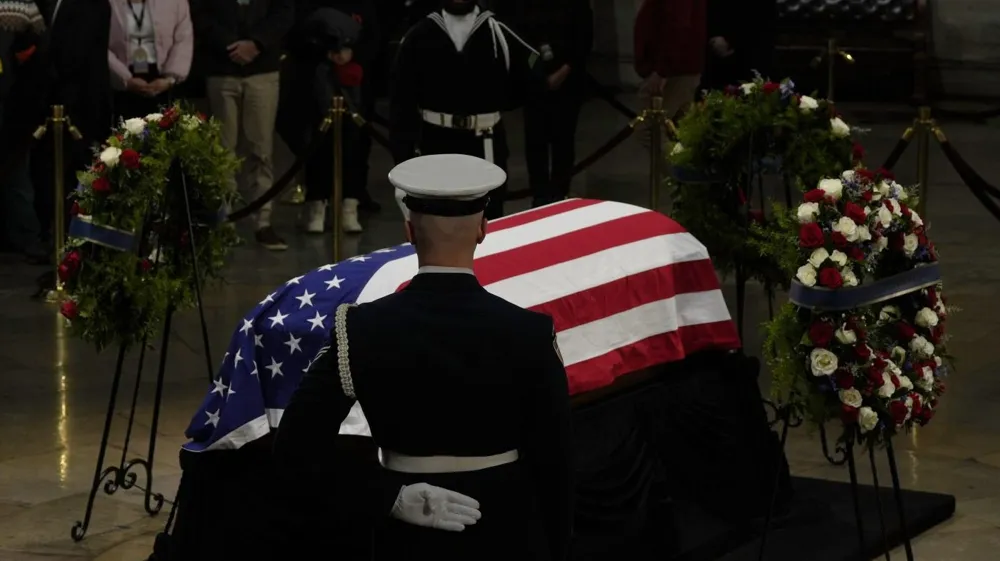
677 92
250 103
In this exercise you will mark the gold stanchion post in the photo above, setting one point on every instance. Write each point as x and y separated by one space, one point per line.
59 123
831 53
654 119
336 207
924 126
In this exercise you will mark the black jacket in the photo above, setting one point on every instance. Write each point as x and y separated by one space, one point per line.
220 23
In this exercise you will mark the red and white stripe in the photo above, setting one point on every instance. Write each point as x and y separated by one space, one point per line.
628 288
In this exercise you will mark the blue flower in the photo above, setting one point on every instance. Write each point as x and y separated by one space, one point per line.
787 88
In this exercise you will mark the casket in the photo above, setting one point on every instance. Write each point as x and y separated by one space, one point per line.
650 352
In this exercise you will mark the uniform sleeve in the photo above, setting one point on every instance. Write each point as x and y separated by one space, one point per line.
547 441
310 478
404 111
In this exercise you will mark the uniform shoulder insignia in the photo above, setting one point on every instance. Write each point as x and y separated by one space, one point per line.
555 345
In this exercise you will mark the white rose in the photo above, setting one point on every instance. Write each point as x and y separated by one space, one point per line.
839 128
915 218
848 175
851 397
883 189
839 257
888 388
190 122
109 156
926 380
927 318
154 117
889 313
806 275
909 406
822 362
905 383
867 419
135 126
881 243
922 346
833 188
848 276
748 88
938 361
847 227
898 354
819 256
910 244
808 104
846 336
893 369
807 212
884 216
864 234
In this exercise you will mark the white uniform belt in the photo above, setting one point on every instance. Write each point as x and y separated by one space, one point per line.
443 464
478 123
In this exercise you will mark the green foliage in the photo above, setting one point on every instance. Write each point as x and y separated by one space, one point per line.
121 297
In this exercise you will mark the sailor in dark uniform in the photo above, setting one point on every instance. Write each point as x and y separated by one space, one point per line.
461 388
455 72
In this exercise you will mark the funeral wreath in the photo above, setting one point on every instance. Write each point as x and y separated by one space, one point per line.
729 141
862 340
129 254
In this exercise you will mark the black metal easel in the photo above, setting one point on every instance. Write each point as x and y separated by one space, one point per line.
124 475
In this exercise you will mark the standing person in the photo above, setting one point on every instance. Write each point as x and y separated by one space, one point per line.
740 41
563 33
150 51
455 72
670 37
240 44
490 421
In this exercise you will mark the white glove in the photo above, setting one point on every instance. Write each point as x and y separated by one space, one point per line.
433 507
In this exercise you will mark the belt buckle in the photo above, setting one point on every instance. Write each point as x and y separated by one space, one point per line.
461 122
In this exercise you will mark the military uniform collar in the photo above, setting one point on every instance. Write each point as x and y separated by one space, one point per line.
436 269
444 279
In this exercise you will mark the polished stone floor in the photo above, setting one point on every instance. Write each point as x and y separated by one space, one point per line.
54 391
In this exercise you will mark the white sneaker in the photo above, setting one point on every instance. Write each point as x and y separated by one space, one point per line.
349 217
315 216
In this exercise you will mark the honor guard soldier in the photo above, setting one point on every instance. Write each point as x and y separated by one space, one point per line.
455 72
461 388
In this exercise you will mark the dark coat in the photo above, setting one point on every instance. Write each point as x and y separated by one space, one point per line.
220 23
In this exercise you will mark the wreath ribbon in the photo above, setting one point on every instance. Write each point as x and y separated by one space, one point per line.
818 298
84 228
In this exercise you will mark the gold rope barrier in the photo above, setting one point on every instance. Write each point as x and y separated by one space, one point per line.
58 123
924 127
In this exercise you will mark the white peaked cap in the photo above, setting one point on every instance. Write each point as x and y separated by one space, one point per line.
454 177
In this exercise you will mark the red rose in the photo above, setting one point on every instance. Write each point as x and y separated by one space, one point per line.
815 196
98 168
839 240
867 196
855 213
830 278
886 174
75 209
922 239
170 117
810 235
895 380
101 185
857 327
932 297
904 210
864 174
65 273
906 331
898 412
145 265
130 159
849 414
770 87
857 152
821 333
855 253
863 351
73 258
844 379
875 376
69 310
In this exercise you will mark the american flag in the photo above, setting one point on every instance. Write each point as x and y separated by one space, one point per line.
627 289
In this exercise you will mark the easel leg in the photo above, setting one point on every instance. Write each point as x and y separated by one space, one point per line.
878 501
123 477
898 492
80 528
197 279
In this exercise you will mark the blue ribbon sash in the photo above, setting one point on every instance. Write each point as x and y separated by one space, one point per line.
84 228
818 298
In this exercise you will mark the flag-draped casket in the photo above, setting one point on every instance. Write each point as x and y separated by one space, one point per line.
627 289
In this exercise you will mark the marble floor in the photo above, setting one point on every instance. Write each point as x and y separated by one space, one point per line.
54 391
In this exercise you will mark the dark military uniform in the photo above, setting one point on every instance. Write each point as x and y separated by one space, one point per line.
443 368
